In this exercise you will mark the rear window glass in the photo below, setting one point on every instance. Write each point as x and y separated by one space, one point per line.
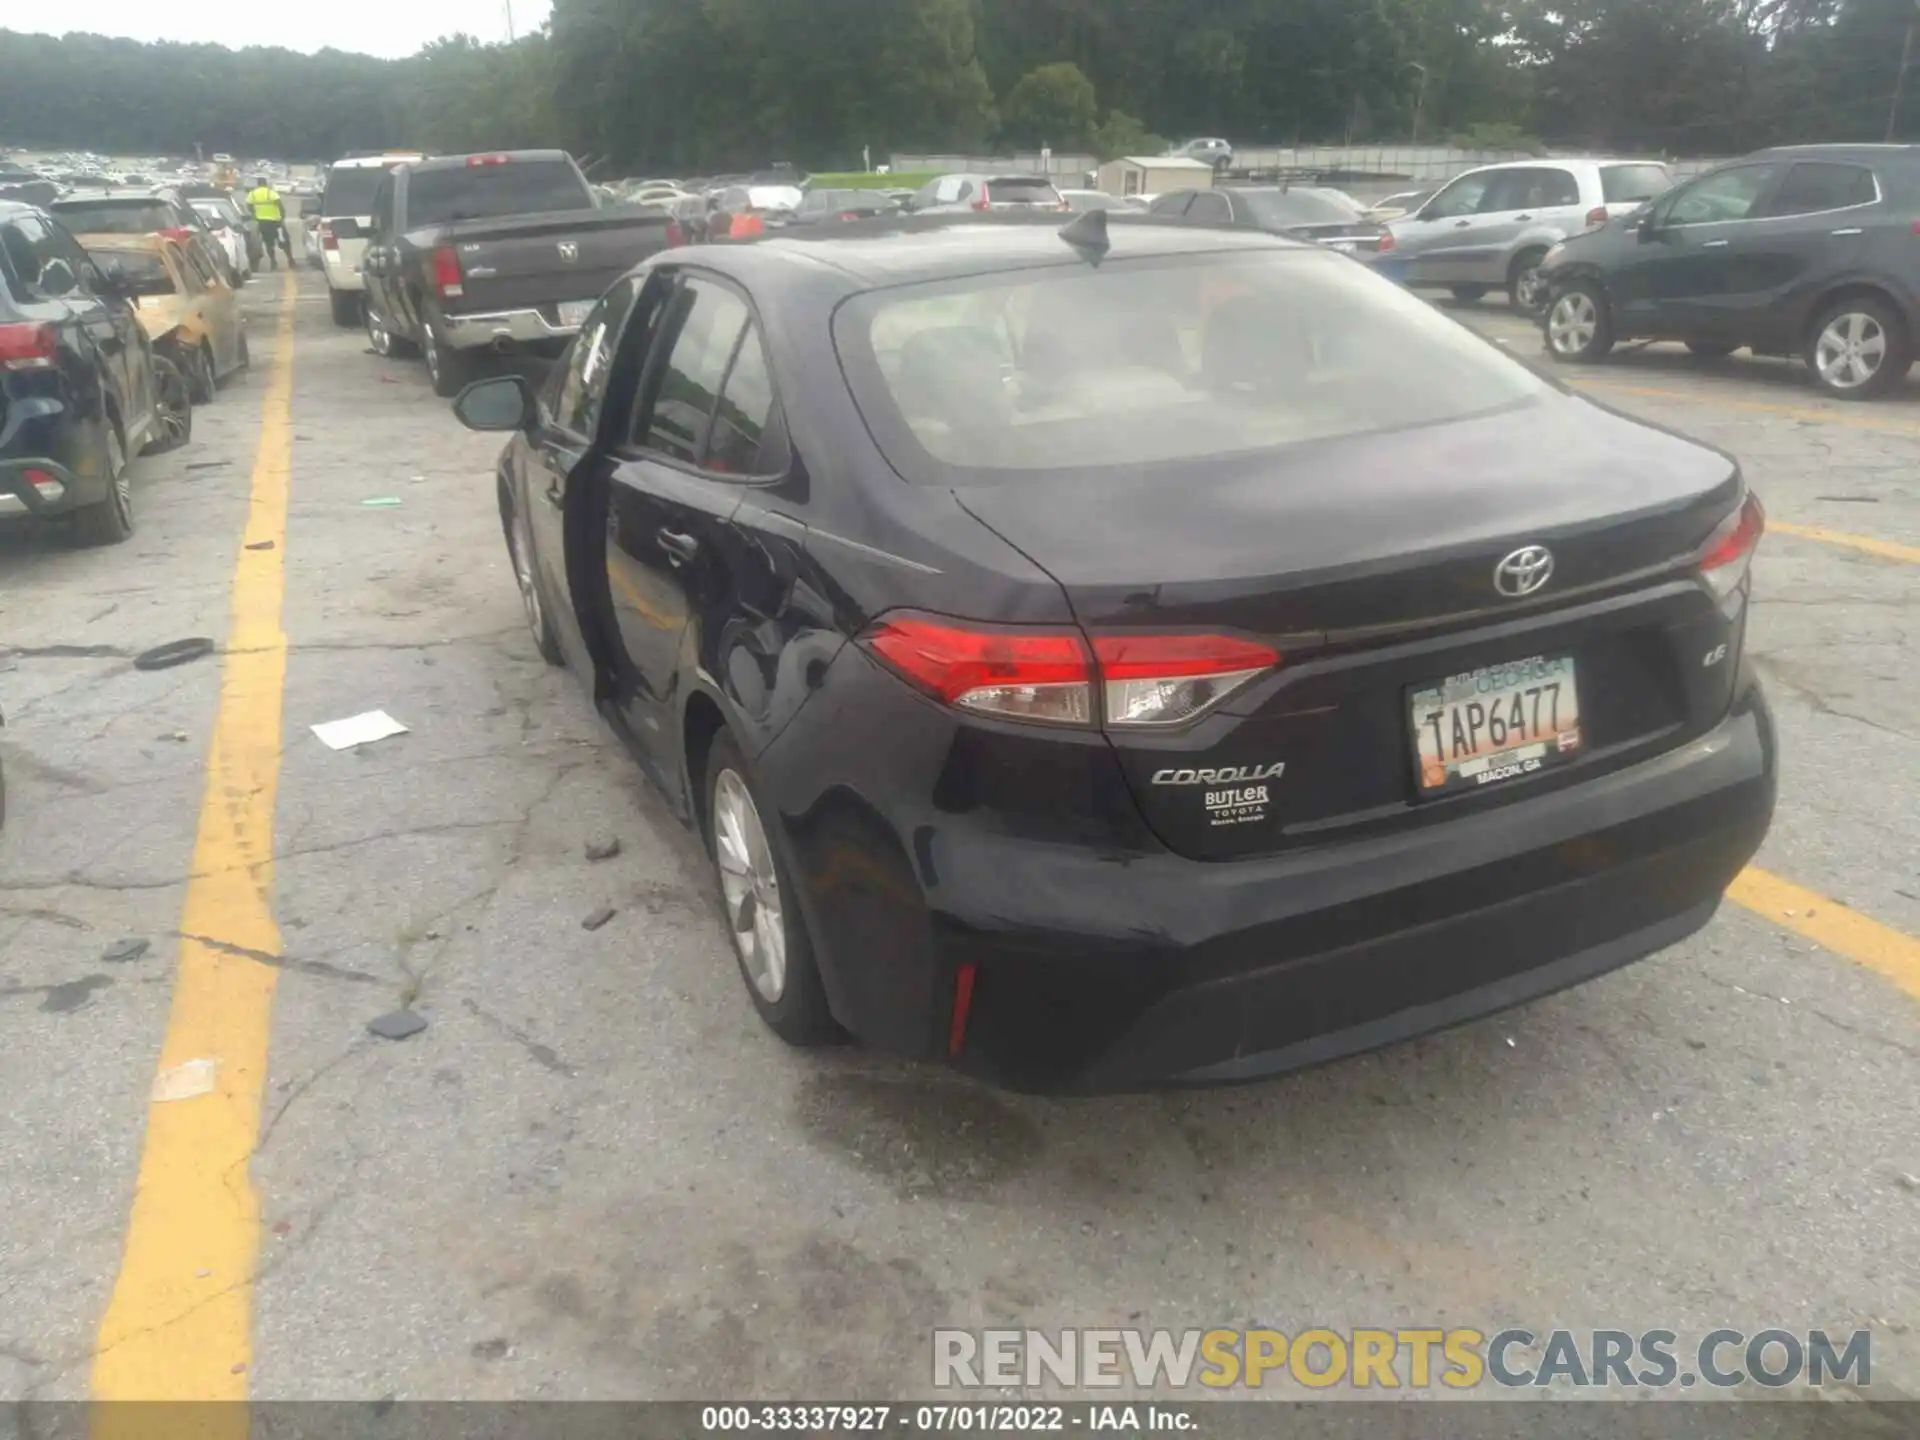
350 189
1297 207
1155 363
114 217
1624 184
477 192
1812 186
1012 190
146 270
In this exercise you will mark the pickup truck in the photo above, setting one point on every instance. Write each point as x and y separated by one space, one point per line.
502 253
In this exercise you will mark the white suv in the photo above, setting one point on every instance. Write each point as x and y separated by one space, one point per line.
1490 228
345 223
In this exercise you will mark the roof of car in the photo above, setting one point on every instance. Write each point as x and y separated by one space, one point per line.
912 248
398 157
459 162
113 197
1859 150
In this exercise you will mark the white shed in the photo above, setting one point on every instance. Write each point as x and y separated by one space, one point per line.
1154 175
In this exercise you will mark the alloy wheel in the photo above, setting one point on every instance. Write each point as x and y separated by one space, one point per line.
1527 288
1571 326
377 333
432 349
174 407
1851 350
750 884
122 479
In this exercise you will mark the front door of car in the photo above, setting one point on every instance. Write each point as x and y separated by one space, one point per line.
1696 267
666 515
1433 244
568 423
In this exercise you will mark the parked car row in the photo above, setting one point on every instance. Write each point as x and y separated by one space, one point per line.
107 342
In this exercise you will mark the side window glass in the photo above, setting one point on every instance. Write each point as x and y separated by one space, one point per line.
1723 196
1813 186
1461 198
199 277
1174 204
1211 210
383 204
589 361
1555 188
711 318
740 425
22 258
948 191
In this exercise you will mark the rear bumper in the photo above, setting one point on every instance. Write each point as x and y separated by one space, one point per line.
21 497
1121 971
342 274
513 327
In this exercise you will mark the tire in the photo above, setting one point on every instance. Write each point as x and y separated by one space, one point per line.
199 373
346 308
793 1002
246 355
1524 290
1858 348
449 369
174 401
513 519
109 521
1711 349
380 339
1468 294
1577 324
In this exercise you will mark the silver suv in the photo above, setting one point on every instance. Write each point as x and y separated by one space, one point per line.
953 193
1489 229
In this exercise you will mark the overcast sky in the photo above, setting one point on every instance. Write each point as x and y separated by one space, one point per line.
378 27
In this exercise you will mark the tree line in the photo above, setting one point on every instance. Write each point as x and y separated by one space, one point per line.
697 85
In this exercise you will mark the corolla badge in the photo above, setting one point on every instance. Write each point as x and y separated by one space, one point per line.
1229 775
1524 572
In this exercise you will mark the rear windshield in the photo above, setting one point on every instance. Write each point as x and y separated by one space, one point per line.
476 192
114 217
1297 207
1017 190
1622 184
1161 362
350 189
146 270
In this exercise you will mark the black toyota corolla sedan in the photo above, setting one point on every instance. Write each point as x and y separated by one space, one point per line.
1166 656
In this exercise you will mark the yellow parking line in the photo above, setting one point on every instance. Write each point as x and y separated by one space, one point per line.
1885 549
1828 923
179 1324
1723 401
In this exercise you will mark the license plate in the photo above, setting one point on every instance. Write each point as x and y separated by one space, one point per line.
572 312
1496 723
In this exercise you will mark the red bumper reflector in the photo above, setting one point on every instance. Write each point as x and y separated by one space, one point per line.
962 1008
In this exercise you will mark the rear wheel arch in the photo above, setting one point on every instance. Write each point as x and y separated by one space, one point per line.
701 723
1854 290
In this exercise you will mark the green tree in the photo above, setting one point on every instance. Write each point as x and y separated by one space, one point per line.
1120 134
1052 105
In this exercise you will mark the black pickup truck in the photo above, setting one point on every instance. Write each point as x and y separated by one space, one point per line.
478 254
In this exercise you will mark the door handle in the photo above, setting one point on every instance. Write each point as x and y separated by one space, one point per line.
1461 224
681 549
1713 245
1523 217
1856 230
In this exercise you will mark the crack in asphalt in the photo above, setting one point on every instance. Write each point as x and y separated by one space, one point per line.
543 1055
318 968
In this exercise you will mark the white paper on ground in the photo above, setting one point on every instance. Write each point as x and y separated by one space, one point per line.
358 730
184 1081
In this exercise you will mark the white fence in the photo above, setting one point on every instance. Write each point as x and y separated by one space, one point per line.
1367 171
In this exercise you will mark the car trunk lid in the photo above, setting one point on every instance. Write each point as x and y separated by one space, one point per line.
1369 564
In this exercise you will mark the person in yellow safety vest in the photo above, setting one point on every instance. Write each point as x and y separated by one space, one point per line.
264 201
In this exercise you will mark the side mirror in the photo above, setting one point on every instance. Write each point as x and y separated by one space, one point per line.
500 403
1643 225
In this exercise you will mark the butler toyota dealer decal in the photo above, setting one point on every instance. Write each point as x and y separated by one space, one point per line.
1239 800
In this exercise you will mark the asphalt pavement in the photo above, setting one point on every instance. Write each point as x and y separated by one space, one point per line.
594 1175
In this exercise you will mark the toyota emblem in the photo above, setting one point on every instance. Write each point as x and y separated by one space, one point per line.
1524 572
569 252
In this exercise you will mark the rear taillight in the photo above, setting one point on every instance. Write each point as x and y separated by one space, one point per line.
328 240
1725 558
1017 672
1170 679
175 232
1597 216
849 215
28 346
1050 675
447 278
474 160
1386 241
676 237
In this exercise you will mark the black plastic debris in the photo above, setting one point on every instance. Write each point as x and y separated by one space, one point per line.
397 1025
176 652
597 918
125 952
